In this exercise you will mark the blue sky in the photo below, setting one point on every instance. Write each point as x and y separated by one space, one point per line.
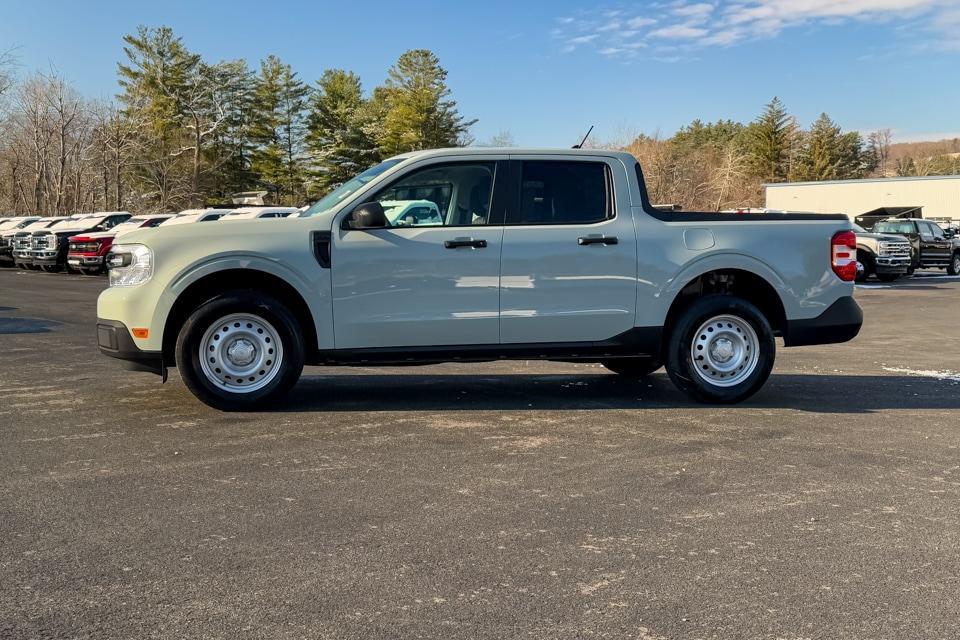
546 70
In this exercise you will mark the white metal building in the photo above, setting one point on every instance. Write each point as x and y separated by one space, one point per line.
938 195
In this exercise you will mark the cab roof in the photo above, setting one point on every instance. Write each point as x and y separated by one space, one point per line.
515 151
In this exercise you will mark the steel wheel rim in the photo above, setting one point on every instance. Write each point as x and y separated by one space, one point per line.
956 262
241 353
725 350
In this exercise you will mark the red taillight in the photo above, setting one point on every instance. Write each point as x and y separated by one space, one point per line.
843 255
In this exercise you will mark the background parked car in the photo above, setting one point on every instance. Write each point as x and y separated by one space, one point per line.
22 241
250 213
189 216
88 251
412 213
7 230
886 256
930 245
49 247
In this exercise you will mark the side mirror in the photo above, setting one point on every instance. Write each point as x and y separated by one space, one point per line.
369 215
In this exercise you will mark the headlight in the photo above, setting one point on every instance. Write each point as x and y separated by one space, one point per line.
129 265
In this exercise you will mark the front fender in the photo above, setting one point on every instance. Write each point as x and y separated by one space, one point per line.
311 289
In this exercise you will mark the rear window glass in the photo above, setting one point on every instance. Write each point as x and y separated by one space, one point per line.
564 193
894 227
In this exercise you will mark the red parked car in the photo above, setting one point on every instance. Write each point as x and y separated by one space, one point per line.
88 251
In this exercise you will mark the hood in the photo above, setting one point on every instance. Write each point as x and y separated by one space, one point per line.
69 230
97 235
883 237
245 231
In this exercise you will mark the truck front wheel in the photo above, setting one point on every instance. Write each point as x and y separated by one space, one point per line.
241 350
721 349
953 268
867 266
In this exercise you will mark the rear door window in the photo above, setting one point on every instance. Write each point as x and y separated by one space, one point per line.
563 192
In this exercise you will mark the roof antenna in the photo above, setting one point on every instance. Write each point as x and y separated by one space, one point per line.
580 146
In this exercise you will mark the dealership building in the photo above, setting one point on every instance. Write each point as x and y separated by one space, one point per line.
936 196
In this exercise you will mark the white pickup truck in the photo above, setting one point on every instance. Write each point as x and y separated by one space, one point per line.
538 254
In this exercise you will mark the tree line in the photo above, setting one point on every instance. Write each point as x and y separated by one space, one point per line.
185 132
723 164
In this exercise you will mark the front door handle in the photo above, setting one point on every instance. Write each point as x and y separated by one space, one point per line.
597 240
464 242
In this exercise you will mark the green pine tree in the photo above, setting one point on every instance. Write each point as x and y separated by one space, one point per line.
770 142
278 130
231 148
827 153
154 80
339 139
419 113
717 135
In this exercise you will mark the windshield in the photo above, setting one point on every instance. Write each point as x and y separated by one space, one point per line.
894 227
339 194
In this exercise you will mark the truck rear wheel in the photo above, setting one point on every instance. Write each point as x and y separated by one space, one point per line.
632 367
241 350
721 349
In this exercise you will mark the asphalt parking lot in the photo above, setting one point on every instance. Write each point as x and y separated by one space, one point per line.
501 500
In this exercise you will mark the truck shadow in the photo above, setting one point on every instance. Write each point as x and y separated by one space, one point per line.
548 392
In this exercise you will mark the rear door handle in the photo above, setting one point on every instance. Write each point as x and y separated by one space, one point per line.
597 240
464 242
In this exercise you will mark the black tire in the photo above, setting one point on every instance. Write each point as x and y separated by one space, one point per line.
866 260
240 302
90 272
953 268
632 367
51 268
888 277
682 341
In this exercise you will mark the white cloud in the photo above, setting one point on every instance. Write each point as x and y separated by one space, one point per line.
694 10
582 39
640 22
722 23
679 32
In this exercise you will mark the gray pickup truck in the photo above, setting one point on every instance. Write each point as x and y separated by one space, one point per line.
523 254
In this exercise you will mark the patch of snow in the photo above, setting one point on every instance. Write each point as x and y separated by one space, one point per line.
950 376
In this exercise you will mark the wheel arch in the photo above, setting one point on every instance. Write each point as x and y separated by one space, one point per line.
211 284
742 283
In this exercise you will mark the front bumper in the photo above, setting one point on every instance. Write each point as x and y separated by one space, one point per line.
114 340
840 322
80 260
45 258
890 264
